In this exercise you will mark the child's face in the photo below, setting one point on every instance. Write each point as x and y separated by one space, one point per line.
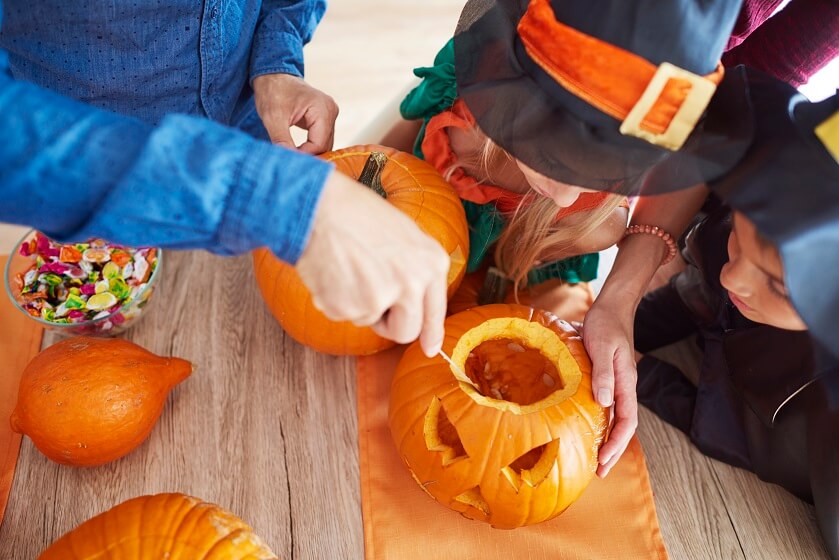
562 194
754 278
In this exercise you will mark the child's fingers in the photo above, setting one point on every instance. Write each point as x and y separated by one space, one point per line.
602 373
626 411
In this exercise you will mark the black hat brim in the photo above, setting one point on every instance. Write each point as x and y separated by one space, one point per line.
562 137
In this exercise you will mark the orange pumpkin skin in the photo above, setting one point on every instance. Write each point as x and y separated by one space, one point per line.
504 461
171 526
88 401
412 186
466 296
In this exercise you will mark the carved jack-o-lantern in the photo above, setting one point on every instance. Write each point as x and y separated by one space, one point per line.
512 438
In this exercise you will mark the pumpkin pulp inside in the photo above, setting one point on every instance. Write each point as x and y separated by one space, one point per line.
505 369
516 365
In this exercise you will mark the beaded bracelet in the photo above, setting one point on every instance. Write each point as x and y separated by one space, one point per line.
661 234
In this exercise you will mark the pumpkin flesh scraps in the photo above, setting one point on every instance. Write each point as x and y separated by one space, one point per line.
515 365
506 369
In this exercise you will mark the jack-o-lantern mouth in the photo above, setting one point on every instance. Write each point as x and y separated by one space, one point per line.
515 365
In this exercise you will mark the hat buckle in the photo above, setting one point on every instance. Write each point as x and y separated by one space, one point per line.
686 117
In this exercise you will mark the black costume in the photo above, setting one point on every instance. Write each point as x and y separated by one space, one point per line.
767 399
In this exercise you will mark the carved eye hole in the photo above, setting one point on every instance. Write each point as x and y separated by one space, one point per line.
441 435
532 467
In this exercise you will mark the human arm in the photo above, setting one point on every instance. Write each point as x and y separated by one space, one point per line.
607 234
283 99
791 45
608 333
75 172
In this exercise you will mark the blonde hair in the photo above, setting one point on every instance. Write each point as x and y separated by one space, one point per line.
532 231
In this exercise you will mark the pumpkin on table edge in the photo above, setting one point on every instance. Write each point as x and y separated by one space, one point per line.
410 185
170 526
512 439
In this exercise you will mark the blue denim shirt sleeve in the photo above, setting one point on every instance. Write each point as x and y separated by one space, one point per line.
283 28
74 172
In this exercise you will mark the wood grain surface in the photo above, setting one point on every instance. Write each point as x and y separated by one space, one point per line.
267 429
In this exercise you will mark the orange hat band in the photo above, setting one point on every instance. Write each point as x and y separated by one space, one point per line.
659 104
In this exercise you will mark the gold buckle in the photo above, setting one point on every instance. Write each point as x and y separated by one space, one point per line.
828 133
685 119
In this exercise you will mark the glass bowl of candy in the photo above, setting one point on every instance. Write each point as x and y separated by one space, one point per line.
95 288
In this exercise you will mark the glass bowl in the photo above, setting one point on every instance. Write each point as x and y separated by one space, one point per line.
115 321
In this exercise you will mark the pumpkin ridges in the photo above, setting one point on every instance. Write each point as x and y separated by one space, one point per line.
162 526
438 214
418 379
88 401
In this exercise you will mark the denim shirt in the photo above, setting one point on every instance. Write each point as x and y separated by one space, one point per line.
106 122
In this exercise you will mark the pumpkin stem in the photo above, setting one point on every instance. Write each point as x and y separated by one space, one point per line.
371 175
495 287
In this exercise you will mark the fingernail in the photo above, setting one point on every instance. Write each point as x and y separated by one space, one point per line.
604 397
434 350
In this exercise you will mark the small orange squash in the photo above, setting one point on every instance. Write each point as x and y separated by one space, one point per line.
88 401
513 439
409 184
170 526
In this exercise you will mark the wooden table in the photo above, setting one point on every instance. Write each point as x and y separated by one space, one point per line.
268 429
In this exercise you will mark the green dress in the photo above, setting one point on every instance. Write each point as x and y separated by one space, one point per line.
436 93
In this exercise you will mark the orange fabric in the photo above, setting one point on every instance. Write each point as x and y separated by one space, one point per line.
614 520
437 149
604 75
20 340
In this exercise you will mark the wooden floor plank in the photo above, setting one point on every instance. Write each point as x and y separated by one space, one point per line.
693 518
767 517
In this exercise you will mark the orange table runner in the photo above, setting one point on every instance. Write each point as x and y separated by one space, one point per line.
20 340
614 519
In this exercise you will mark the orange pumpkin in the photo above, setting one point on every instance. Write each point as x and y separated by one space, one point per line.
409 184
88 401
171 526
510 439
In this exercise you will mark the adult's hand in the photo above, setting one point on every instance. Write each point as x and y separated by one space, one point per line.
608 338
368 263
283 101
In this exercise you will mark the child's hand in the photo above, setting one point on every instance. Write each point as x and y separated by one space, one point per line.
608 339
368 263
